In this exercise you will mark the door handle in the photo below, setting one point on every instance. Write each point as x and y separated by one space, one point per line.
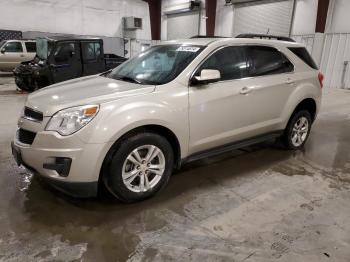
246 90
290 81
21 55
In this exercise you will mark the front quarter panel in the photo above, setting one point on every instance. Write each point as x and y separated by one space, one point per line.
167 107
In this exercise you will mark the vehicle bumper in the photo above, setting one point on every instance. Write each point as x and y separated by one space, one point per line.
81 179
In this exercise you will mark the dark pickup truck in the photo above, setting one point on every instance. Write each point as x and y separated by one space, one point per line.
61 58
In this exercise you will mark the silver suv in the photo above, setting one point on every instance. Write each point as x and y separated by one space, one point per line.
176 102
13 52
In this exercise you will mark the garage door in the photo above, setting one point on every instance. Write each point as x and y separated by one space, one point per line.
261 17
183 25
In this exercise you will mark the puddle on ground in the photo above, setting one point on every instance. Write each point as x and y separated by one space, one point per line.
25 179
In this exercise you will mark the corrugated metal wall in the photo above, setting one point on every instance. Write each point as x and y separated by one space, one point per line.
335 62
307 40
336 53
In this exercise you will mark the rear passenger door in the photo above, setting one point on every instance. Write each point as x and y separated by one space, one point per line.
31 50
93 60
270 82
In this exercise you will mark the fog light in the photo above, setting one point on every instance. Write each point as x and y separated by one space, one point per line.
60 164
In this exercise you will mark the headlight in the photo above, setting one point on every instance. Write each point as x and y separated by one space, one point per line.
70 120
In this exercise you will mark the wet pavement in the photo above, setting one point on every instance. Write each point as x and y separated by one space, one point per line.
256 204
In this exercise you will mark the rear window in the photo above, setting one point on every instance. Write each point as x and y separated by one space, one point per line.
31 47
304 55
91 51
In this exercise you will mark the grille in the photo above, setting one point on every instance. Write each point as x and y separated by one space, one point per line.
32 114
25 136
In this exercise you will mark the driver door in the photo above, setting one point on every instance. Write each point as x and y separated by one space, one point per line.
219 112
66 62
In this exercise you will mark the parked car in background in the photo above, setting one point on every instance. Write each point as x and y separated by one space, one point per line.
176 102
13 52
62 58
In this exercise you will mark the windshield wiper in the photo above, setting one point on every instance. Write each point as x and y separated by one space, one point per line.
129 79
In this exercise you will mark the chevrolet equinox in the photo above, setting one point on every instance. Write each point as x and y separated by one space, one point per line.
179 101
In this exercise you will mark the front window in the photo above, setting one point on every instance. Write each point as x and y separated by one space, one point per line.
13 47
157 65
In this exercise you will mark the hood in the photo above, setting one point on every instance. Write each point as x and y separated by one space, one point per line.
81 91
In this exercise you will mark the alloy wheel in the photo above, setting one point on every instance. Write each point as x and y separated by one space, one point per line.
300 131
143 168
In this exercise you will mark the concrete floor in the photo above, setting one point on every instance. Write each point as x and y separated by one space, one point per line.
256 204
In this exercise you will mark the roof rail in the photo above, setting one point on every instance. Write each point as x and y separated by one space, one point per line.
204 36
262 36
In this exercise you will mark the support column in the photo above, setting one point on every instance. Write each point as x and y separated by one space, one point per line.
155 9
322 12
210 10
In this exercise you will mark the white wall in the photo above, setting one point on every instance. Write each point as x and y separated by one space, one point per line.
82 17
164 25
305 17
224 19
338 17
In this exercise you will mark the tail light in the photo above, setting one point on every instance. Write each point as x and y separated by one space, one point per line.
321 78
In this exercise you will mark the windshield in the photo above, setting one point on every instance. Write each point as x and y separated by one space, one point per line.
43 47
2 43
157 65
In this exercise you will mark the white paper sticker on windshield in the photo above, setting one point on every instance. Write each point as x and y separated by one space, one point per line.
187 49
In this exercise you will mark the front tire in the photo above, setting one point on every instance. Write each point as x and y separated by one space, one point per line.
297 131
140 166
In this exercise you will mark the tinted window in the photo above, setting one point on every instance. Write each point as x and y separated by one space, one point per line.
264 60
64 52
230 61
13 47
91 51
304 55
31 47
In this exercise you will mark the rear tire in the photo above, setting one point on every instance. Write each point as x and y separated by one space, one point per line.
297 131
140 166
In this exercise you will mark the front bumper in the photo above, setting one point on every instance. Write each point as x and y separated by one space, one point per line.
82 177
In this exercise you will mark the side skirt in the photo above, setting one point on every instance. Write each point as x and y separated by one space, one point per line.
232 146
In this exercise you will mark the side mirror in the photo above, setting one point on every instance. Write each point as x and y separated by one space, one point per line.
2 51
207 76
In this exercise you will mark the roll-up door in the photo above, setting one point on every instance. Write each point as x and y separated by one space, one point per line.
182 25
262 17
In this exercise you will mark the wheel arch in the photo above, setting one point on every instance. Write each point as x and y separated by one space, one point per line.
308 104
153 128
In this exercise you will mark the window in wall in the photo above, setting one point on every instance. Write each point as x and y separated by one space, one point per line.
31 47
14 47
264 60
91 51
230 61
